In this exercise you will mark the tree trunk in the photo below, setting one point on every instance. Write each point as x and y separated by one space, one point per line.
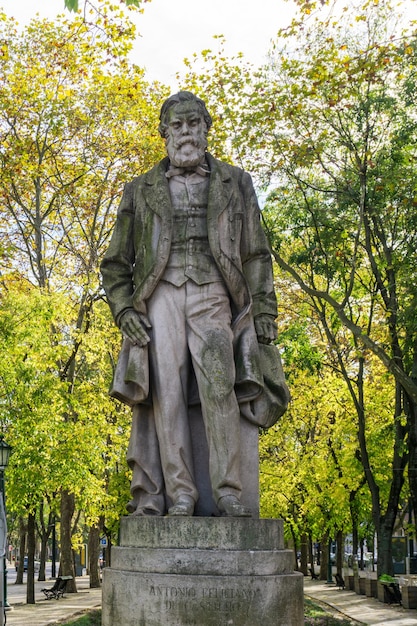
384 543
355 531
295 547
44 548
93 556
324 557
411 409
361 560
67 563
310 552
22 551
384 523
44 531
304 554
30 588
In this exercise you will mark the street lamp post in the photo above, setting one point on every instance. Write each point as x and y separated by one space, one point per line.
53 573
5 451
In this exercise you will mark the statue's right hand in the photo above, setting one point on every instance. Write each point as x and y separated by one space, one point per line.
133 325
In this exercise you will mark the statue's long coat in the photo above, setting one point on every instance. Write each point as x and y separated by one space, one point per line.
140 247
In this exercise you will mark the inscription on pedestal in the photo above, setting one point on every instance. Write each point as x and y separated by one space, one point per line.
222 600
213 598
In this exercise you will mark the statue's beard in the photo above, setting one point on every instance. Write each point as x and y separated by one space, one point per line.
186 151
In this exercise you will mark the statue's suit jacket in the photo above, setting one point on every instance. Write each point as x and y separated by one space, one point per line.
140 246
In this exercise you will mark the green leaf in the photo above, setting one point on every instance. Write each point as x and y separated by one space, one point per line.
71 5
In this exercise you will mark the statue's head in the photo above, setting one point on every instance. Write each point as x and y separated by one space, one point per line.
179 98
184 124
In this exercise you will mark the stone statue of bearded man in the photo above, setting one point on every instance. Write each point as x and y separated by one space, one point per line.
188 277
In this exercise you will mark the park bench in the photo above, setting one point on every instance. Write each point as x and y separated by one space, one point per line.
339 581
313 574
58 589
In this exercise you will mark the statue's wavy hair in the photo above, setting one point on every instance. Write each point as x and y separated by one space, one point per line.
182 96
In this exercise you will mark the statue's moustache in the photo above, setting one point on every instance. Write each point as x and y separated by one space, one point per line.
190 140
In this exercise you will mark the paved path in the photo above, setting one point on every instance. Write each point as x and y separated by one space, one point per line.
46 612
360 608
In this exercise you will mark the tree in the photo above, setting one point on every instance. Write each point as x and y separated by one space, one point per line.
75 123
329 125
350 250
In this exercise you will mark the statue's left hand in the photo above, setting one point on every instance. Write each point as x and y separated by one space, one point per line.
266 328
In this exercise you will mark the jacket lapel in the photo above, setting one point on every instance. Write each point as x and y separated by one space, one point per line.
156 189
221 187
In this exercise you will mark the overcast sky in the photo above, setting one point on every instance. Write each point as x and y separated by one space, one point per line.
173 29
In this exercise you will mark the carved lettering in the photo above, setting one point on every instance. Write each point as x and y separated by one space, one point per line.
225 593
177 605
223 606
216 599
172 592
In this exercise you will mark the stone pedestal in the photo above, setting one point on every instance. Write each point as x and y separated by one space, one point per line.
370 587
409 597
202 571
380 592
359 585
356 585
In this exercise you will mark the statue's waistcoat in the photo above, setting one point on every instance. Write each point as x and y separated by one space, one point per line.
190 256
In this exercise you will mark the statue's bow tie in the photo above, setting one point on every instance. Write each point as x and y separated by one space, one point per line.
180 171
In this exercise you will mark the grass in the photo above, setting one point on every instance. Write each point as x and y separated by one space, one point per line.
91 618
315 615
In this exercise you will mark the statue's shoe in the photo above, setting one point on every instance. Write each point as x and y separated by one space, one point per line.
230 506
184 507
